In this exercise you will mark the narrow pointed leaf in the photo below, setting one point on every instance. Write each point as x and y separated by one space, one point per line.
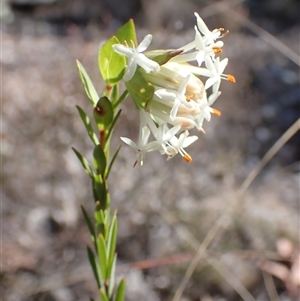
111 276
120 296
112 125
98 213
120 100
112 162
112 238
88 126
88 85
88 222
84 163
103 296
114 93
102 258
92 261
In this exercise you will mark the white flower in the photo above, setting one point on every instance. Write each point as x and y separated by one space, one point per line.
204 44
206 110
142 147
164 134
136 57
216 69
177 145
209 37
177 98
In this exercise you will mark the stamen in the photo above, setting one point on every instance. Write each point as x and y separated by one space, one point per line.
187 158
132 44
217 50
216 112
231 78
225 32
126 44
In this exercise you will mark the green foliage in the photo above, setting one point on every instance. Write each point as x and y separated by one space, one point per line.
139 89
103 228
87 123
99 160
121 290
103 113
84 163
88 85
111 64
162 56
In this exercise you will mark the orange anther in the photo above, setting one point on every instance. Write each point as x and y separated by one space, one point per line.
216 112
217 50
231 78
187 158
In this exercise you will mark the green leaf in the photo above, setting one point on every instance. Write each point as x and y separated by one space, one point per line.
88 85
99 190
162 56
103 296
139 89
112 238
84 163
88 222
98 214
121 290
120 100
114 93
112 125
126 33
88 126
111 64
101 229
111 276
102 255
103 113
99 159
92 261
112 162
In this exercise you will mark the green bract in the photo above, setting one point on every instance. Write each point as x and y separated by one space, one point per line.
162 56
111 64
139 89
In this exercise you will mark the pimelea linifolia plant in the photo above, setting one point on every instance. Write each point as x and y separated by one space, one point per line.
172 96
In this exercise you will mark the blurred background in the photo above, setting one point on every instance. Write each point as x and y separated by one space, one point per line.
165 209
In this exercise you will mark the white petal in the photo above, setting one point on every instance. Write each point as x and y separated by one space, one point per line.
199 40
147 64
144 136
183 84
130 70
201 25
129 142
121 49
213 97
145 43
189 140
211 81
222 65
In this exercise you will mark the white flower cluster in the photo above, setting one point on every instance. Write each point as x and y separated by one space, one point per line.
180 100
